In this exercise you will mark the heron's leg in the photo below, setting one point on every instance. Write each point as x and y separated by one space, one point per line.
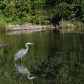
21 59
21 62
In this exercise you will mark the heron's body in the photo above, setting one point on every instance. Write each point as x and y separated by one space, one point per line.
22 52
23 71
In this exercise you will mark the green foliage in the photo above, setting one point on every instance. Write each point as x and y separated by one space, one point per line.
35 11
3 22
76 22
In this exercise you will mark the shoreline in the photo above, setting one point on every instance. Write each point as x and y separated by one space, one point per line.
29 26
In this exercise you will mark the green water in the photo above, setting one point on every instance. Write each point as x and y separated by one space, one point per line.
53 58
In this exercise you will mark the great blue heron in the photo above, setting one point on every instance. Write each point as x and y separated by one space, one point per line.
23 71
22 52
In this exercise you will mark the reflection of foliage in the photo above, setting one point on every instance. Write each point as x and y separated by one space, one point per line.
62 71
48 68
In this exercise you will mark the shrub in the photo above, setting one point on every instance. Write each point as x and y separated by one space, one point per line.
3 22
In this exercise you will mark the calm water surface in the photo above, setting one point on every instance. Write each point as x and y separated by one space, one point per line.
53 58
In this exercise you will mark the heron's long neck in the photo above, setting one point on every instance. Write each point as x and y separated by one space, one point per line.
27 47
30 77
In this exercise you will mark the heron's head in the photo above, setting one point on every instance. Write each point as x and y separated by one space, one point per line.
28 43
30 78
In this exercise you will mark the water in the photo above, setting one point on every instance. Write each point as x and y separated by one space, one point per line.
53 58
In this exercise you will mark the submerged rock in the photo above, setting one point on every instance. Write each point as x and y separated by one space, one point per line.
3 45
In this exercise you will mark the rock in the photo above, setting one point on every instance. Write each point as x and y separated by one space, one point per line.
4 45
28 26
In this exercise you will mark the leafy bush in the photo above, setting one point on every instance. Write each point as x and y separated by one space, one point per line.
3 22
76 22
38 12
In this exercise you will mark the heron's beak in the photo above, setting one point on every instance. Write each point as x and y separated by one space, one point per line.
30 43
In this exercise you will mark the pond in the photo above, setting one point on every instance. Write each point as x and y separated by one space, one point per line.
53 58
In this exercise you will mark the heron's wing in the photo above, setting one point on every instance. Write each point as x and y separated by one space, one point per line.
19 54
21 69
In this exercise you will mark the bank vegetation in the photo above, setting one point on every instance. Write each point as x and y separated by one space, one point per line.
41 12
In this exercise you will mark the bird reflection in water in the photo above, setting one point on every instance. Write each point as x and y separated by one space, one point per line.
23 71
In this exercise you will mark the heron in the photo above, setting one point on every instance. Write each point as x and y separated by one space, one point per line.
22 52
23 71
